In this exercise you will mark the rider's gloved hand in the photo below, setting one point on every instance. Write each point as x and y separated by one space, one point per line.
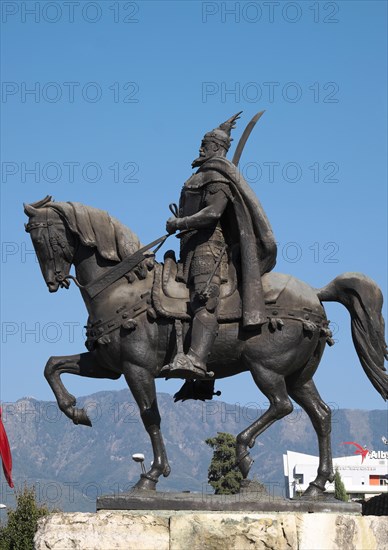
171 225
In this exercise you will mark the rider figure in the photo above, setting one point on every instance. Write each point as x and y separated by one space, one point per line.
217 211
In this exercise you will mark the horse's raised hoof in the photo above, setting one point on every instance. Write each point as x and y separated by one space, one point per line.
80 417
167 471
146 483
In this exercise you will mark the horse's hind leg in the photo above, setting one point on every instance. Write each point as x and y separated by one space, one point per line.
142 385
274 388
308 398
83 364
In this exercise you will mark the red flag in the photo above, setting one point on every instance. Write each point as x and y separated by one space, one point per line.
5 453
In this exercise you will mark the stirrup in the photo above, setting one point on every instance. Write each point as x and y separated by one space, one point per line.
183 367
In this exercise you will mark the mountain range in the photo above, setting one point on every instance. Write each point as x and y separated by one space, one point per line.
71 465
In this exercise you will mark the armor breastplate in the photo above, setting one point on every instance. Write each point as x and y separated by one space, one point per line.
200 248
191 199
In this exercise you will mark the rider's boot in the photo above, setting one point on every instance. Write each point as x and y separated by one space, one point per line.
203 334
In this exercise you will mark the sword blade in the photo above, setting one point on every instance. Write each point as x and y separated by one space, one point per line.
244 137
119 270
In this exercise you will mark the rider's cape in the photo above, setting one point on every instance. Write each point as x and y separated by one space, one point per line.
256 240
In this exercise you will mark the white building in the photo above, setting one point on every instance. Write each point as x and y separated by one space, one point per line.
362 477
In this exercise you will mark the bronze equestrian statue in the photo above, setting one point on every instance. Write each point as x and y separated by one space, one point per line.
141 312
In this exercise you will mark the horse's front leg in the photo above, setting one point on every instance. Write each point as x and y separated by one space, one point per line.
142 385
83 364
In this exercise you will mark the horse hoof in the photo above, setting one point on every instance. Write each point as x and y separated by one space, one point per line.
80 417
312 491
145 484
245 464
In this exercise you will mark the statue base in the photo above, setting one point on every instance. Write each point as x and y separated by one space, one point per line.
246 500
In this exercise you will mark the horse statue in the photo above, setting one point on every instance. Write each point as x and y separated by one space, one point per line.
138 321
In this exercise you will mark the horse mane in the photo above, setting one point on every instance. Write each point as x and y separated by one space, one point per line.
95 228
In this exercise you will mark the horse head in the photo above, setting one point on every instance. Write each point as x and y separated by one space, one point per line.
53 242
65 233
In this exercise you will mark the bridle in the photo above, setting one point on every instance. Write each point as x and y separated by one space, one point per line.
53 241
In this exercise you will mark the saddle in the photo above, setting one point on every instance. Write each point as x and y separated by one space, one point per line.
285 298
170 298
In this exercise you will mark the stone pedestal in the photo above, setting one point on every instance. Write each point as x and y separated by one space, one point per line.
183 530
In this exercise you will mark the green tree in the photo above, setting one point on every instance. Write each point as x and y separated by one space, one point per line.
21 527
223 474
339 487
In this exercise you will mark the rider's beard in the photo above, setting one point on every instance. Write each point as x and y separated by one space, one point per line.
198 162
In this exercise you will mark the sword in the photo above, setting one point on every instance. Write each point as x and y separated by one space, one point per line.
119 270
207 284
244 138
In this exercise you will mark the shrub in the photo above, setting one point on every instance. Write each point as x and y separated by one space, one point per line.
223 474
21 527
339 488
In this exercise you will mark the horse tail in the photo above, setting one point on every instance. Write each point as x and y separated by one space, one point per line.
363 299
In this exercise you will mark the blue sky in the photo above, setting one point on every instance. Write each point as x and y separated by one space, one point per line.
124 92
